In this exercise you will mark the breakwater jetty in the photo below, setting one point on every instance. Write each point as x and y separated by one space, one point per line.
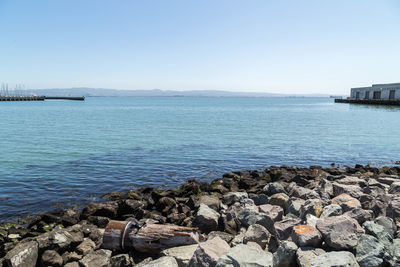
40 98
78 98
279 216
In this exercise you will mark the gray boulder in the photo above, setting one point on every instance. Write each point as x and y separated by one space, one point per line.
254 245
249 216
258 234
335 259
388 223
232 197
284 228
260 199
369 252
211 201
59 239
207 253
379 205
96 235
379 232
71 256
294 206
23 255
165 261
121 260
244 255
331 210
247 202
313 207
304 193
360 215
352 180
206 219
224 236
326 187
106 209
393 208
229 216
396 251
375 190
274 188
340 232
285 255
306 235
51 258
238 239
182 254
279 199
72 264
352 190
394 188
388 180
305 255
98 258
86 246
274 212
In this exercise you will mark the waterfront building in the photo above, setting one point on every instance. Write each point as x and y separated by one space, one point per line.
389 91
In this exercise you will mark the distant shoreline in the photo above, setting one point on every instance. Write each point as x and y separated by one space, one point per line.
97 92
181 96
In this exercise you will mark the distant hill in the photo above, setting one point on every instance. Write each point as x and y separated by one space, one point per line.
83 91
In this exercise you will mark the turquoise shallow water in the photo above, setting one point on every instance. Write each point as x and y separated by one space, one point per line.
66 152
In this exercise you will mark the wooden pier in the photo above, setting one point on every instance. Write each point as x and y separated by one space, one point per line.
40 98
369 101
22 98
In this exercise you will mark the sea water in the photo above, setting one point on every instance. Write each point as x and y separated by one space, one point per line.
71 152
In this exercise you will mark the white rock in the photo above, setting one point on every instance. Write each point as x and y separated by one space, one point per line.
244 255
181 254
23 255
335 259
165 261
207 253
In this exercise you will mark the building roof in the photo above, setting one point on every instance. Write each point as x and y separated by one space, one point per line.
386 84
369 87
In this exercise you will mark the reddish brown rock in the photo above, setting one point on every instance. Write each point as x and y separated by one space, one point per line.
306 235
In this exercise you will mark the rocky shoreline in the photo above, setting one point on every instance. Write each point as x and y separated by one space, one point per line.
281 216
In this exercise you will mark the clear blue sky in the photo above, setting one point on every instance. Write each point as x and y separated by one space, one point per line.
263 46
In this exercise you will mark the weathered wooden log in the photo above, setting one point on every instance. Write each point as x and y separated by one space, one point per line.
151 238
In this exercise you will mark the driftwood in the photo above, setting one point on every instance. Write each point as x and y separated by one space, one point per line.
151 238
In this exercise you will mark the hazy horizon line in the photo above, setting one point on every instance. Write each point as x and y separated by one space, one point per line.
182 90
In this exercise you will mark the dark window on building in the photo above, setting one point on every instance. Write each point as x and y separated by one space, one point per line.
377 95
391 94
367 95
358 95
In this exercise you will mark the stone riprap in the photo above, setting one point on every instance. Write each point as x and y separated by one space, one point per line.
281 216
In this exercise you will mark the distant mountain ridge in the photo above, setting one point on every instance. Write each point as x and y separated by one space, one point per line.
83 91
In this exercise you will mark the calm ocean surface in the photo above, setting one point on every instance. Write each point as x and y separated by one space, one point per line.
66 152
